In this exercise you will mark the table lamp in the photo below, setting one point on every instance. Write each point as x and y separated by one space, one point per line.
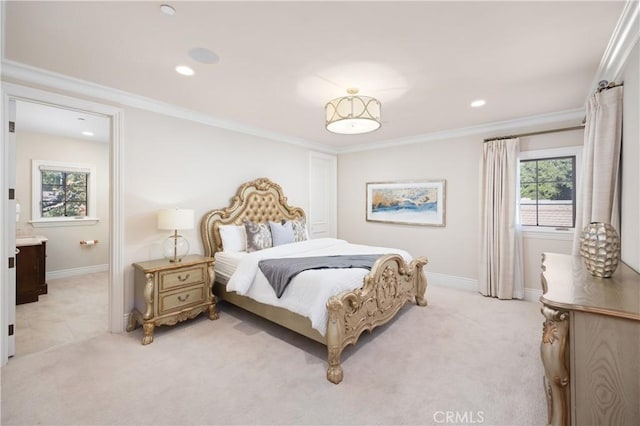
175 247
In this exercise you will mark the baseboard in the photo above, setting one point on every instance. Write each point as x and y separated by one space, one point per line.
66 273
460 283
532 294
469 284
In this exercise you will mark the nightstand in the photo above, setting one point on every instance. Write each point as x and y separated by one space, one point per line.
170 292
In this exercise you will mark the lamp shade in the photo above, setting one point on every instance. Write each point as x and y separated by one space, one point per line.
352 114
175 219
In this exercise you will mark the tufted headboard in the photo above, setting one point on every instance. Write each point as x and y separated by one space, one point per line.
258 201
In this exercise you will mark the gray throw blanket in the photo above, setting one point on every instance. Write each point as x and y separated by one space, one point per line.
280 272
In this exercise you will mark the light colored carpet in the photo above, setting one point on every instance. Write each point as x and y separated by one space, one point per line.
474 357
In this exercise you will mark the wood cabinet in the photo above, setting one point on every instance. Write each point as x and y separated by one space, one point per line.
590 343
31 255
169 292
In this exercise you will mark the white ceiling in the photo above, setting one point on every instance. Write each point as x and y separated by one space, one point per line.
280 62
38 118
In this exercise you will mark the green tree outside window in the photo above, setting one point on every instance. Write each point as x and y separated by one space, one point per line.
64 194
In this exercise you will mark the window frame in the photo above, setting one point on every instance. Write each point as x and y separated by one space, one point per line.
37 220
547 154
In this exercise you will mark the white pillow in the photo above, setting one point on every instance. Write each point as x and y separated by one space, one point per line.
234 238
282 233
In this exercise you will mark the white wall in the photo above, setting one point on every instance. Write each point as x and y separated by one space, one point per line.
630 222
171 162
64 252
452 250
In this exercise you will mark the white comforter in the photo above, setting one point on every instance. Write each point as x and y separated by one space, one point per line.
308 292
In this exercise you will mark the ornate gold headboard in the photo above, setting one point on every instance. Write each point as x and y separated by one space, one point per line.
258 201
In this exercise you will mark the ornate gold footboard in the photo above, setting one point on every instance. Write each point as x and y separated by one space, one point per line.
390 284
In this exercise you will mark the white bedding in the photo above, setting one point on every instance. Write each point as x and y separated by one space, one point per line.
307 294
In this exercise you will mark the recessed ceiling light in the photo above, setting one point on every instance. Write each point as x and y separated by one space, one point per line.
204 56
478 103
184 70
87 133
167 10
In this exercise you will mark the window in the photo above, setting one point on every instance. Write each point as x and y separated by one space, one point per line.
548 182
63 194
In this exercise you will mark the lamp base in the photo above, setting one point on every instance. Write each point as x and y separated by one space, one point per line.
175 248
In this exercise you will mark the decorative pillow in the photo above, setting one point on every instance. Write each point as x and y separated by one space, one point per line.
282 233
258 236
234 238
300 230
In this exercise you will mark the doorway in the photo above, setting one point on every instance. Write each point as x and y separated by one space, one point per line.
62 225
16 93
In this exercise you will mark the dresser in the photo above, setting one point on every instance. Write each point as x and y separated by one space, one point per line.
31 269
590 345
170 292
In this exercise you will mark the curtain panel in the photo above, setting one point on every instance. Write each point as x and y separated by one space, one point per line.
599 196
500 241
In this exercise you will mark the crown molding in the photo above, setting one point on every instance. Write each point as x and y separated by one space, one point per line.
21 73
16 72
623 39
488 129
625 36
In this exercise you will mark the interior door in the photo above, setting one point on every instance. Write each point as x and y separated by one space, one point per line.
323 188
10 238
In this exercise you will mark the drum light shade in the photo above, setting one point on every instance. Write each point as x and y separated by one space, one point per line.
352 114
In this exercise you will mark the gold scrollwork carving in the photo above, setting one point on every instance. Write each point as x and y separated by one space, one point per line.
148 296
389 285
555 333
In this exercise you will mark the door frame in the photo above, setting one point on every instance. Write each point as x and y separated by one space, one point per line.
14 92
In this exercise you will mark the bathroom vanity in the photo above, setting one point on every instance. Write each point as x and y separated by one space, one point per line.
31 254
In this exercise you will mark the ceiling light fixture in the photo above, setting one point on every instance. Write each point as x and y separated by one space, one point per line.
184 70
352 114
478 103
87 133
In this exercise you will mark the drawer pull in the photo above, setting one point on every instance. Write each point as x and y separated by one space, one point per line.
183 299
183 279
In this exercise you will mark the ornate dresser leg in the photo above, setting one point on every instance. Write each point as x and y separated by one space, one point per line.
213 314
148 333
553 348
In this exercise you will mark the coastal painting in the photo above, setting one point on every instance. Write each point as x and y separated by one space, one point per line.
413 203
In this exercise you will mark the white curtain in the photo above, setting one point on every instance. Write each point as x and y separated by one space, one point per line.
598 197
500 241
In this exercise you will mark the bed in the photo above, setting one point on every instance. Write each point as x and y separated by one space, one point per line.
394 279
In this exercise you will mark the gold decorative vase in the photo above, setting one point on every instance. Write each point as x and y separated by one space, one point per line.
600 249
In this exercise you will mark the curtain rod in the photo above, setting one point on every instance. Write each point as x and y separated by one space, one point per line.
542 132
605 85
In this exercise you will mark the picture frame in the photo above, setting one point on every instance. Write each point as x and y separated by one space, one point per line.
407 202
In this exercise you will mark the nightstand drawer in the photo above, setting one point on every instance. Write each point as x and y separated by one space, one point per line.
182 277
179 299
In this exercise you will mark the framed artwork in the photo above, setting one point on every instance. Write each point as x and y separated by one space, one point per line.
412 203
